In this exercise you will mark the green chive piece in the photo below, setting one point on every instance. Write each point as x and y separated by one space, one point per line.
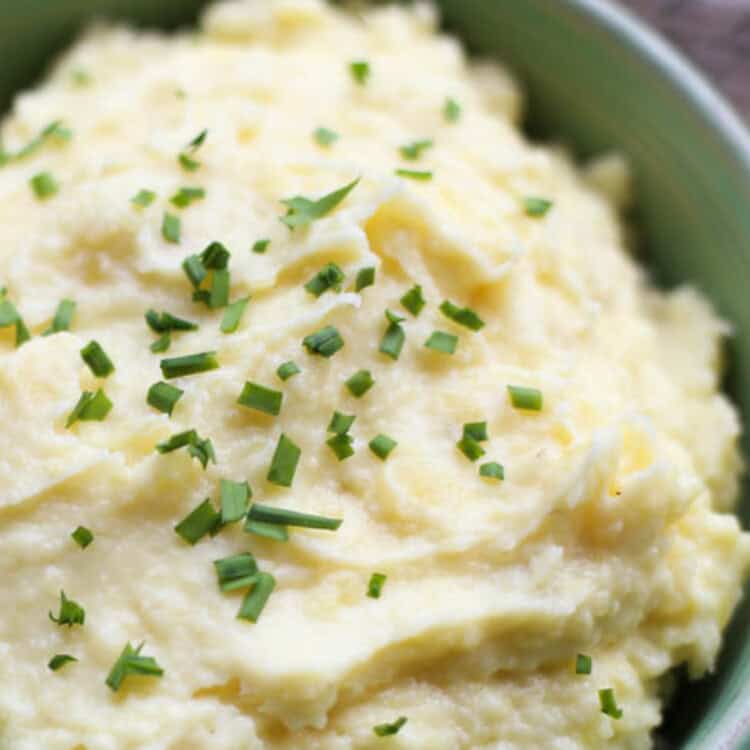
394 336
44 185
91 407
260 398
200 448
63 317
412 151
268 530
10 316
365 278
451 110
464 316
82 537
219 292
287 370
190 364
382 445
97 360
163 397
261 246
194 270
302 211
170 228
476 431
325 136
342 446
215 257
284 462
143 198
167 322
529 399
442 342
22 333
386 730
359 383
200 521
234 500
536 207
161 344
186 160
608 703
340 423
187 195
325 342
233 315
329 277
284 517
71 613
470 448
60 660
54 130
583 664
414 174
236 572
375 586
413 300
130 662
492 470
256 599
360 71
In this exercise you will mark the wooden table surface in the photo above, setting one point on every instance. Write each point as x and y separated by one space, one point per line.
714 33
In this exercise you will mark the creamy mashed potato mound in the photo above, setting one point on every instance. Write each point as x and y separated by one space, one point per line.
611 534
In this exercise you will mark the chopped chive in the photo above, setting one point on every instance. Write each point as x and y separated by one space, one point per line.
130 662
54 130
325 342
325 136
284 517
170 228
414 174
451 110
492 470
412 151
190 364
71 613
186 159
260 398
583 664
200 448
470 448
10 316
382 445
234 499
200 521
365 278
268 530
464 316
256 599
608 703
340 423
386 730
394 336
443 342
60 660
302 211
413 300
529 399
342 446
167 322
360 71
163 397
161 344
91 407
536 207
219 292
187 195
82 537
236 572
188 163
375 586
284 462
287 370
63 317
359 383
233 315
215 257
194 270
44 185
143 198
329 277
476 431
97 360
261 246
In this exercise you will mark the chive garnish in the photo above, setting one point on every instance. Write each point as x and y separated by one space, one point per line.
233 315
365 278
170 228
325 342
200 521
394 336
163 397
44 185
464 316
451 110
360 71
190 364
284 517
91 407
375 586
261 246
54 130
536 207
236 572
130 662
82 537
287 370
325 136
284 462
234 500
477 431
60 660
63 317
528 399
215 256
414 174
200 448
340 423
342 446
161 344
583 664
443 342
302 211
260 398
412 151
97 360
186 159
413 300
143 198
382 445
492 470
608 703
470 448
359 383
187 195
194 270
329 277
10 316
386 730
268 530
256 599
219 292
71 613
160 323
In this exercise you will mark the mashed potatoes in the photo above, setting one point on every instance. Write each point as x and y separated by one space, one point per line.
610 535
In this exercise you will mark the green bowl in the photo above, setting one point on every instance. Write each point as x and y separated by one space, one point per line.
597 79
